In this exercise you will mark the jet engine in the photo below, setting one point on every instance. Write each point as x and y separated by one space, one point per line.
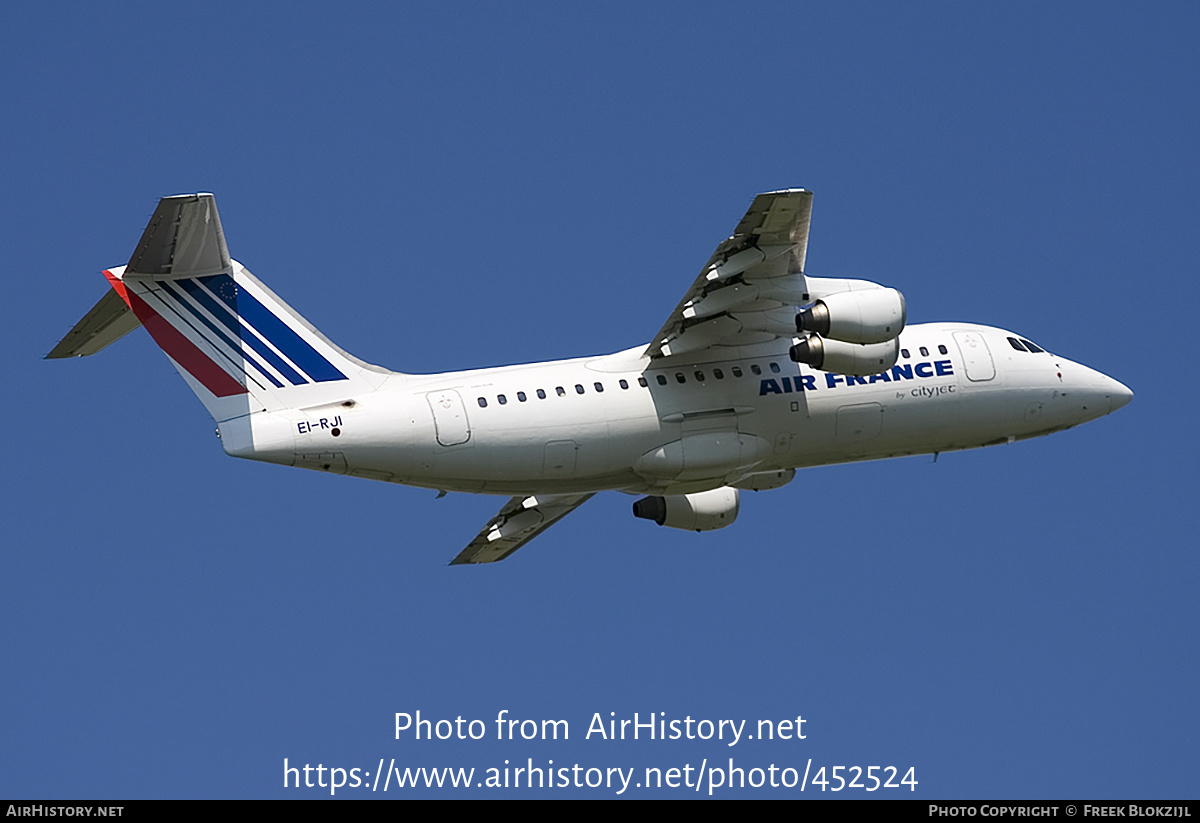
865 316
701 512
846 358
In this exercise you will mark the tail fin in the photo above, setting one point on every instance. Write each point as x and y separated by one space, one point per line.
238 346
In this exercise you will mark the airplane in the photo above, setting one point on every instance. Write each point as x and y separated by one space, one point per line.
759 371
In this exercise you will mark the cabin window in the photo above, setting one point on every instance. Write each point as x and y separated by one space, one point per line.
541 393
904 353
662 379
737 371
717 373
579 388
700 376
560 391
755 368
598 386
483 402
774 368
521 396
942 349
501 399
623 383
679 378
642 382
924 352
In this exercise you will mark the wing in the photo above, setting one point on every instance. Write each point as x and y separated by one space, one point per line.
521 520
747 291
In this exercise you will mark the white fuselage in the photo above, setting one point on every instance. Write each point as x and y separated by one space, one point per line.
680 425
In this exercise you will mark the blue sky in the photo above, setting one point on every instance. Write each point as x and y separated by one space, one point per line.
467 185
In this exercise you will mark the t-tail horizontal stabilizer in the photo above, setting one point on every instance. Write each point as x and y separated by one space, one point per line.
239 347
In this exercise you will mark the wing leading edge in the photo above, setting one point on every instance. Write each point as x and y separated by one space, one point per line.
745 291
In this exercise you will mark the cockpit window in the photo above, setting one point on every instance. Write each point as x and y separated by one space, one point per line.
1024 345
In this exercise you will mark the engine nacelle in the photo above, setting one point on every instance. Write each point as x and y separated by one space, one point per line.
846 358
700 512
866 316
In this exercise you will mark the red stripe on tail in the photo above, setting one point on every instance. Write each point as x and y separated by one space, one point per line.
179 348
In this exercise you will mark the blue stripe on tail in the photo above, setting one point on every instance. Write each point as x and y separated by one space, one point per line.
231 322
234 347
263 320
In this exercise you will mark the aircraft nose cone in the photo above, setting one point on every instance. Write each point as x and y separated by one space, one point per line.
1108 394
1119 395
1097 393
